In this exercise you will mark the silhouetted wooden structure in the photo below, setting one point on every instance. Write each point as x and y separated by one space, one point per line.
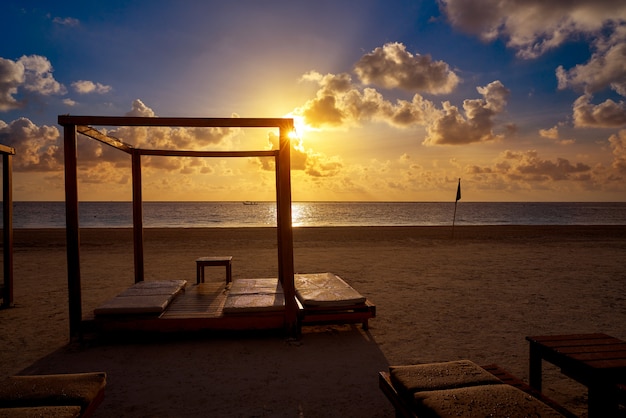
7 223
286 317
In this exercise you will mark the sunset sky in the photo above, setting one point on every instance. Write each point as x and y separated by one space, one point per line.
394 100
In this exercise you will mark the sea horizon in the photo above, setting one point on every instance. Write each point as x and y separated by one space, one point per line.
222 214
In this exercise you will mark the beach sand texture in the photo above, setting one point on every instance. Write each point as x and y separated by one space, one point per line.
475 296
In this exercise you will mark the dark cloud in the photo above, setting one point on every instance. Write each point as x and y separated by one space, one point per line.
533 27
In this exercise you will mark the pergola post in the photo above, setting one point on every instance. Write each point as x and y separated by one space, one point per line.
284 226
72 229
7 221
137 216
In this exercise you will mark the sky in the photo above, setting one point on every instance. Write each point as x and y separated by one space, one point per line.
393 100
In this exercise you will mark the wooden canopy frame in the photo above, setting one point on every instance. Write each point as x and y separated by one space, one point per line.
72 125
7 222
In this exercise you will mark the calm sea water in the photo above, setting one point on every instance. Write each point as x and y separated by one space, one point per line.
236 214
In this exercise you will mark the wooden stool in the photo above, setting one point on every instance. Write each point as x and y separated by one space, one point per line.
202 262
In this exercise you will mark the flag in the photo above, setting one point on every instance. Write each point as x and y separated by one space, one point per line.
458 192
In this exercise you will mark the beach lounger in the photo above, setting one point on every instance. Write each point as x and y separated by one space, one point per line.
54 395
462 389
147 298
327 298
254 296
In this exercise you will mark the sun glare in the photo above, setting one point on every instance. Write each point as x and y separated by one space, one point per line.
299 127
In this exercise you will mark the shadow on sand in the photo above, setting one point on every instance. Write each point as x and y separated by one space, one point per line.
329 372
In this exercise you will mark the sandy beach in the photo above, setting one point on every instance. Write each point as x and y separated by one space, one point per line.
472 296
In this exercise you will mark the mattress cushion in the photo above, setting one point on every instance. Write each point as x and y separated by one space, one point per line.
325 290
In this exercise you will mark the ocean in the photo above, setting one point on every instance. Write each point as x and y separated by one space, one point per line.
260 214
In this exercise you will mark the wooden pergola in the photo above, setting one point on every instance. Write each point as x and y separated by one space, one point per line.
7 222
72 125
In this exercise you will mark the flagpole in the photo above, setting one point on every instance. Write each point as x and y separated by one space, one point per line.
458 197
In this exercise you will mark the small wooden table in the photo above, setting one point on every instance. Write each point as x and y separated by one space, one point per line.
202 262
598 361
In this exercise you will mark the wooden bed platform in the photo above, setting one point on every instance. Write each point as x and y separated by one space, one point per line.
199 307
244 304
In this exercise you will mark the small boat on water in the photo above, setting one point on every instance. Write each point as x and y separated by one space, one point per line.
248 203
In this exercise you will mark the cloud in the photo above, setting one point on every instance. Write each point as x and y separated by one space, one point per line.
533 27
452 128
605 68
85 87
340 103
527 166
11 77
392 66
618 147
553 134
30 73
38 76
66 21
139 109
36 147
608 114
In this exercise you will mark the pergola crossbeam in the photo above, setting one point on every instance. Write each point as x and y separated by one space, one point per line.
109 140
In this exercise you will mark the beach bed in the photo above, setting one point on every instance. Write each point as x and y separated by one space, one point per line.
172 305
462 388
54 395
325 298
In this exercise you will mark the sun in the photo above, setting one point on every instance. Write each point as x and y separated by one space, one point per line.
299 126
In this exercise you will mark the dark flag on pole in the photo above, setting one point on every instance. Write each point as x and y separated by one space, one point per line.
458 197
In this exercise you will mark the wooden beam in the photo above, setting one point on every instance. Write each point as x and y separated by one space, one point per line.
217 154
137 217
285 230
5 149
176 122
7 222
72 229
109 140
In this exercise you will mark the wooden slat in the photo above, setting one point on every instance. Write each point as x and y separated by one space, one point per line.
205 300
621 347
544 339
